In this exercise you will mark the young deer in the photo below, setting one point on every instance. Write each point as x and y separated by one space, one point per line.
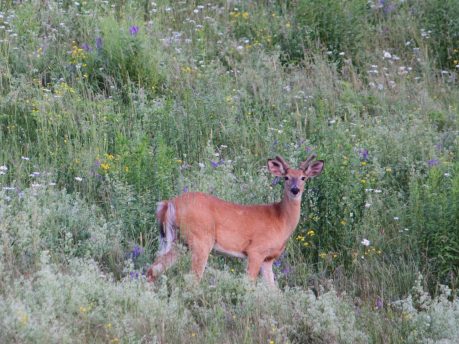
256 232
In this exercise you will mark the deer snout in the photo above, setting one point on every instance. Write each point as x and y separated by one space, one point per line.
295 190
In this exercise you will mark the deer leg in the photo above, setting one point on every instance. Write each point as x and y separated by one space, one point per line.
162 263
253 268
268 274
199 254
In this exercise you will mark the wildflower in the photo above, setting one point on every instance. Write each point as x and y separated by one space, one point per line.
34 174
3 170
105 166
388 170
387 55
365 242
447 174
86 47
78 179
185 189
367 205
379 303
343 222
433 162
214 164
25 158
99 43
136 251
396 218
322 255
133 30
275 181
311 232
363 153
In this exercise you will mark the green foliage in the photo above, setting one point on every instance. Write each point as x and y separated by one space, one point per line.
434 209
108 108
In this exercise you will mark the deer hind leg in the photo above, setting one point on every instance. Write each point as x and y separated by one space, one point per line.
162 263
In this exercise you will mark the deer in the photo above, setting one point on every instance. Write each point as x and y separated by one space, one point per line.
257 232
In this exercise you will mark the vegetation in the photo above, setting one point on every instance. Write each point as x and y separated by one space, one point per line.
107 107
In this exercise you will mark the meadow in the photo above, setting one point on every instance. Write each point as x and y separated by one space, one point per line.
107 107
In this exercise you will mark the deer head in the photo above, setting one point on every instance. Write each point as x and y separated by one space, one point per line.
295 178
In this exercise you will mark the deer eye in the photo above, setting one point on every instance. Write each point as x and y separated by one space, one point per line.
303 178
286 178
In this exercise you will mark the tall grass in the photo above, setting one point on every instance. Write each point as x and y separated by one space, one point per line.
108 107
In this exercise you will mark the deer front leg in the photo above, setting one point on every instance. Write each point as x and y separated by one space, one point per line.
268 274
253 268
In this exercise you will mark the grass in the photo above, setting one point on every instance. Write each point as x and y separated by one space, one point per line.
108 107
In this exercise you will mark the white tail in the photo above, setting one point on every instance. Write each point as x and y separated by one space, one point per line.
256 232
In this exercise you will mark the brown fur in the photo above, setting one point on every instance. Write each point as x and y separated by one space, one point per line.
259 232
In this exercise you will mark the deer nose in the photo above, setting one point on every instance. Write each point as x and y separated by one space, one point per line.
294 190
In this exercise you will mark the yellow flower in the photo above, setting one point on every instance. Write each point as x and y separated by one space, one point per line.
126 169
343 222
311 233
108 326
193 334
245 15
388 170
105 166
306 244
322 255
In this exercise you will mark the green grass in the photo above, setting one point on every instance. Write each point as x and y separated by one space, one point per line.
108 108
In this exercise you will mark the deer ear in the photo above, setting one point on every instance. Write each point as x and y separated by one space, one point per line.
314 169
276 168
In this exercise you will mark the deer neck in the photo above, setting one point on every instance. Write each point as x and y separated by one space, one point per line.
290 210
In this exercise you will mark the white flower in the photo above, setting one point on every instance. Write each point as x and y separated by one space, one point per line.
387 55
365 242
396 218
201 165
447 174
25 158
78 179
3 168
367 205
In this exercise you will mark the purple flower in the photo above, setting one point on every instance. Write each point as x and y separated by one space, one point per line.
308 149
136 251
278 263
214 164
133 30
379 303
363 153
185 189
99 43
433 162
134 275
275 181
86 47
286 270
